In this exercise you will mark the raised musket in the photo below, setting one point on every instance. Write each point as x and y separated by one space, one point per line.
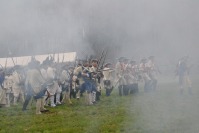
104 60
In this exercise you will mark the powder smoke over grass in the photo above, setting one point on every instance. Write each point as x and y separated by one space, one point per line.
139 28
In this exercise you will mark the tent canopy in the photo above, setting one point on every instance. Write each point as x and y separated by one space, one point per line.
24 60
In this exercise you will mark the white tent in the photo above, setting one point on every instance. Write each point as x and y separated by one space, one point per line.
24 60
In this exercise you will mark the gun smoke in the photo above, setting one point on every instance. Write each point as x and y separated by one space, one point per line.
166 29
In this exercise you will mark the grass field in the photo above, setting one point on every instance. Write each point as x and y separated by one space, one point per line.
163 111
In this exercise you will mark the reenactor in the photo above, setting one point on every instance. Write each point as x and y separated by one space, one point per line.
17 86
96 79
74 83
144 73
127 76
87 86
135 77
53 82
107 78
152 71
38 86
3 100
78 73
119 71
43 70
58 96
183 73
8 82
65 78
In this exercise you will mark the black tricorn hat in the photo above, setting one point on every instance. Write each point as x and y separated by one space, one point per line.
94 60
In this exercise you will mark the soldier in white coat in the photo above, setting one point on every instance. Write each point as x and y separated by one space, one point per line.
145 75
135 77
17 86
119 71
2 90
65 78
152 72
51 78
6 90
107 78
38 86
78 73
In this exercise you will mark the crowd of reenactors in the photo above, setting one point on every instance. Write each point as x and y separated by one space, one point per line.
51 84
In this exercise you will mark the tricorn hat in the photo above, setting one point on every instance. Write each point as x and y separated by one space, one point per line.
107 64
94 60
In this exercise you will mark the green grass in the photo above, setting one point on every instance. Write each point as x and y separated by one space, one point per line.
164 111
106 116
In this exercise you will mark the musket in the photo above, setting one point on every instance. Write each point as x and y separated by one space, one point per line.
75 63
11 57
104 59
63 58
58 58
103 55
53 57
114 86
1 66
13 61
99 60
89 70
5 67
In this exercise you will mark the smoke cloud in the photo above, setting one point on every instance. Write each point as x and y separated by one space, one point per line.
167 29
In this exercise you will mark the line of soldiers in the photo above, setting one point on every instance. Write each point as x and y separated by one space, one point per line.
129 73
52 84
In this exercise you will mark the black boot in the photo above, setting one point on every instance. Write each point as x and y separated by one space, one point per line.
27 100
98 95
120 90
